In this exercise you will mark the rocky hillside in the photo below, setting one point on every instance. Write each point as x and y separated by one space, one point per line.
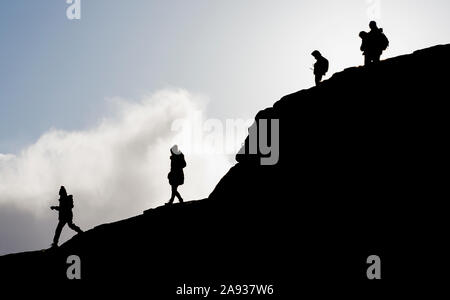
361 171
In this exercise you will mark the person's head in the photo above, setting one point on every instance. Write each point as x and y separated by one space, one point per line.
363 34
62 191
175 150
316 54
373 25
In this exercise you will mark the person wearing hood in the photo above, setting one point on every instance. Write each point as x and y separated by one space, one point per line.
320 67
176 174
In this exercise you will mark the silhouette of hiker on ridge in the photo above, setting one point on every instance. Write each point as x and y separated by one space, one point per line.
176 175
320 67
65 214
373 43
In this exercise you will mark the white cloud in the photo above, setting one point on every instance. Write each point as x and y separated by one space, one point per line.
115 170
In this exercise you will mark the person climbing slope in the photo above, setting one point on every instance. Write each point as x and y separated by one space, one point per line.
320 67
373 43
65 214
176 175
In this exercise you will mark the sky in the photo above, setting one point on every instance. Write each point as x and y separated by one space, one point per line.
90 103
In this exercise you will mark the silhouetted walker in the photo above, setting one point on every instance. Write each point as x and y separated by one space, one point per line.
373 43
320 67
65 214
176 175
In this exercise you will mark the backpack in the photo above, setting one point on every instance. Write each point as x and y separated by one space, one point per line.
321 67
384 42
326 65
68 202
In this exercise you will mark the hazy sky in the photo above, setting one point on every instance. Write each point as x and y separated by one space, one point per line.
242 54
164 59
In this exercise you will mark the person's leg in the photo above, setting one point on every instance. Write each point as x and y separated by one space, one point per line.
74 227
58 232
178 195
318 79
376 58
366 60
172 197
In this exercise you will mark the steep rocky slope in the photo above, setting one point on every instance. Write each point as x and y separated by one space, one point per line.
361 171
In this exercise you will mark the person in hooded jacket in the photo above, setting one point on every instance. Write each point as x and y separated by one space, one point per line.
176 174
65 214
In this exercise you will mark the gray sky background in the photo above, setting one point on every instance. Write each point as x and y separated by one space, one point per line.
88 103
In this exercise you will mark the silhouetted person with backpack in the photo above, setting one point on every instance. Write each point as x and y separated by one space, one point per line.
65 214
320 67
373 43
176 175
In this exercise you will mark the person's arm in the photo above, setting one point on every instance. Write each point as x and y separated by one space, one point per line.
54 207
